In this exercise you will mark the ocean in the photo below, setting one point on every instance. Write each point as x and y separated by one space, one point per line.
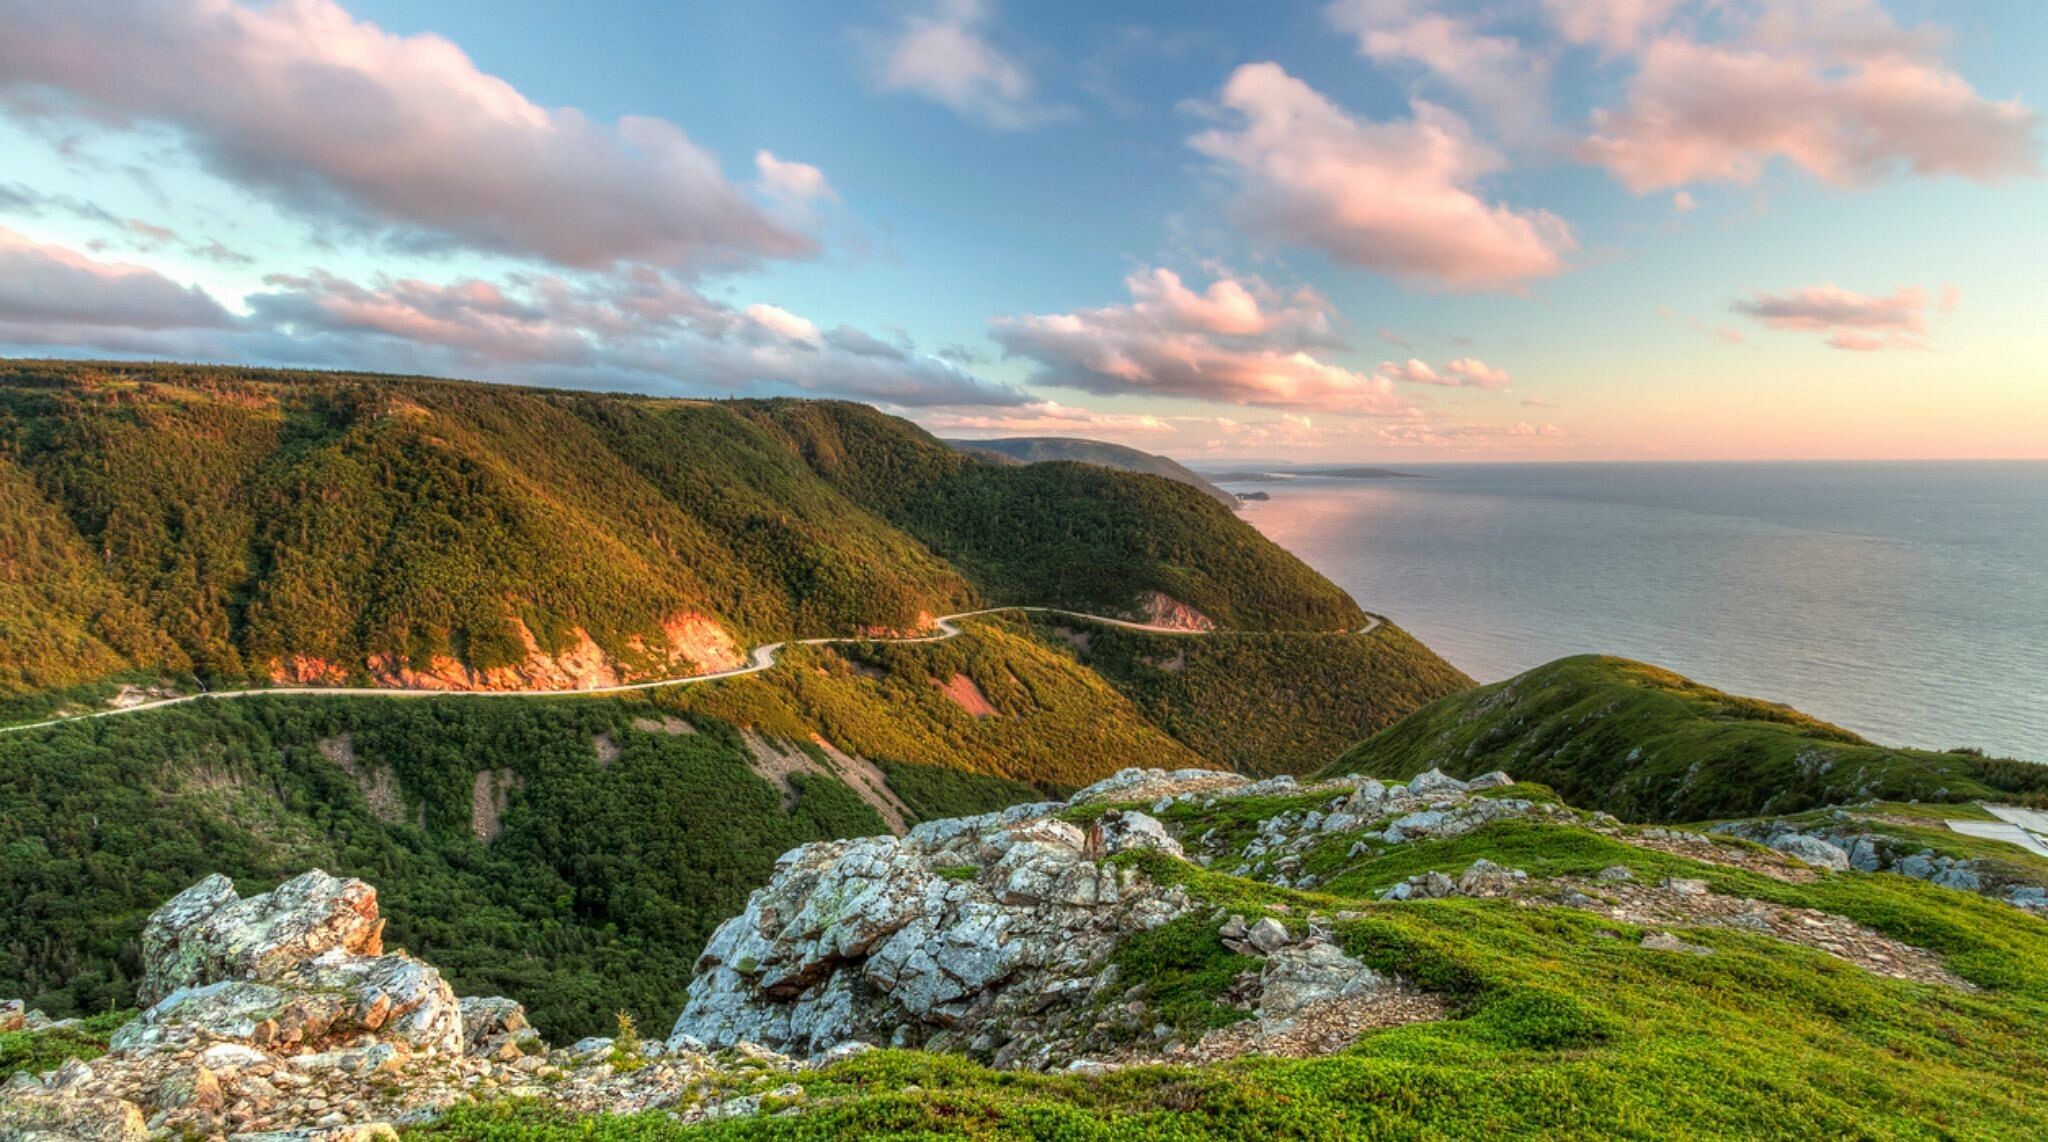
1907 601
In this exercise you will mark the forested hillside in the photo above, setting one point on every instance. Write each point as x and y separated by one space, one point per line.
574 851
1651 745
1264 703
241 524
1041 449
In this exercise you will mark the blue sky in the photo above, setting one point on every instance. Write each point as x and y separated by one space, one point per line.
1368 229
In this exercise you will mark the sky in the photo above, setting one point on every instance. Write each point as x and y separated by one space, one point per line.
1361 230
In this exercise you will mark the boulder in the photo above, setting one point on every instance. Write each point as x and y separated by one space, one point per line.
1493 780
207 933
1486 878
1309 972
1434 783
292 966
1812 850
13 1015
1133 830
492 1023
883 940
1268 935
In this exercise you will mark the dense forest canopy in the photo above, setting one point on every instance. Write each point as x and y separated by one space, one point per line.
164 519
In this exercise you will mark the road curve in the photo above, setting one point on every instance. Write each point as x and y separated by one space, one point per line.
759 659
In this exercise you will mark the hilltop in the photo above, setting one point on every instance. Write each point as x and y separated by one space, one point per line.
1039 449
1648 744
1184 954
189 524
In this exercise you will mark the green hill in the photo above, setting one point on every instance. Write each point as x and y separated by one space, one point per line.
1648 744
239 524
1039 449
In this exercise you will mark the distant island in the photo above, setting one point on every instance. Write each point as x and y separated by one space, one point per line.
1330 473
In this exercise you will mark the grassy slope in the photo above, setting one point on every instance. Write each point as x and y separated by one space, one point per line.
1267 703
1562 1025
606 879
1647 744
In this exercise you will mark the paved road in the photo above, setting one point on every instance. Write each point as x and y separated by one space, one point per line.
759 659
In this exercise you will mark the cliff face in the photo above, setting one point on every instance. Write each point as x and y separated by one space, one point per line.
694 644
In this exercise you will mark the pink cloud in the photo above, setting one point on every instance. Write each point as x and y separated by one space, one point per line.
640 330
1049 418
1853 321
1615 26
1506 84
1464 372
791 181
944 54
1397 197
1847 109
1225 344
74 299
347 123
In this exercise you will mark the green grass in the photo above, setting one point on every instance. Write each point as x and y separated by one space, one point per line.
37 1051
1647 744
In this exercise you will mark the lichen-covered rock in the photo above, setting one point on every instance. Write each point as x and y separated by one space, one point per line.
56 1118
1812 850
1309 972
895 940
207 933
1433 783
294 965
1152 784
495 1026
1485 878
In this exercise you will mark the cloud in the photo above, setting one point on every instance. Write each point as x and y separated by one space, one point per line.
1392 338
1682 202
783 323
398 135
1046 418
1835 89
1464 372
638 329
1396 197
1853 321
1614 26
791 181
1236 341
944 54
66 298
1495 75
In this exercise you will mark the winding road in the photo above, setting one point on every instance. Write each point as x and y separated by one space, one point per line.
759 659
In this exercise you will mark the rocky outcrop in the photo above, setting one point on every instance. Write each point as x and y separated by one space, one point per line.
1842 840
302 963
689 644
951 928
1156 609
